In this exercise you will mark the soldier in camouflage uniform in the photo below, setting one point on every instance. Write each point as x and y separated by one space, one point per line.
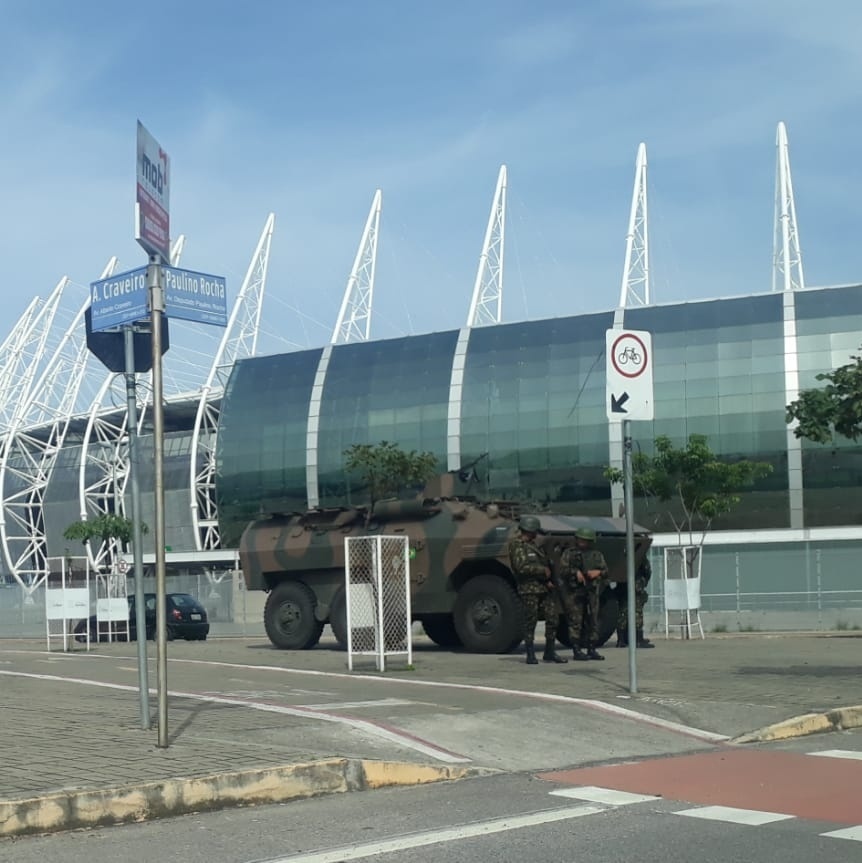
584 570
532 570
642 577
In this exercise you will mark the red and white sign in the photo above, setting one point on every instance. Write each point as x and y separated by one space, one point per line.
152 202
629 375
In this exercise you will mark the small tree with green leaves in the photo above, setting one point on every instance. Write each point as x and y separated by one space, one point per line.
695 485
385 469
106 527
835 409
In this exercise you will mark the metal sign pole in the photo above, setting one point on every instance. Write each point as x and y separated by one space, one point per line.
137 548
630 554
157 309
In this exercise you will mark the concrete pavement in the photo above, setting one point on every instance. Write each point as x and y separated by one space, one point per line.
251 724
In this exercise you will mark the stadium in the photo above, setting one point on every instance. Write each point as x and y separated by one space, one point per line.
267 433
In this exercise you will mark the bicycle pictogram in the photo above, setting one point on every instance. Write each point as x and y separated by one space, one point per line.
627 354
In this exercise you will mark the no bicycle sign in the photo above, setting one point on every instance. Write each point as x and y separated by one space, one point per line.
629 375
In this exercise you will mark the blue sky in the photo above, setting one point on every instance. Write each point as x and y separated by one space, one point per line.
305 109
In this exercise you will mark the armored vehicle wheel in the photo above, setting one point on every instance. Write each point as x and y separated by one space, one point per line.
440 628
488 615
563 632
289 617
338 617
609 610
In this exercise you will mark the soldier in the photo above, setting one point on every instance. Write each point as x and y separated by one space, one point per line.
642 577
584 569
533 572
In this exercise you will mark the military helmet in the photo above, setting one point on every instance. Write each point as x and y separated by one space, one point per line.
585 533
529 523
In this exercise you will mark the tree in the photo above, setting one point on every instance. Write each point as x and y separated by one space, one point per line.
104 527
696 485
835 409
386 469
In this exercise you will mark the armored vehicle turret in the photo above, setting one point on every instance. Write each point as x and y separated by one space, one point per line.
462 589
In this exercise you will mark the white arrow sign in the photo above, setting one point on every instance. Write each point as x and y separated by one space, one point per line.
629 375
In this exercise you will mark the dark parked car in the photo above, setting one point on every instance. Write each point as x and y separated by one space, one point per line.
186 618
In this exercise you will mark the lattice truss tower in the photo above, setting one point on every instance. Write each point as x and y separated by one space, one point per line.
787 272
354 316
486 303
635 289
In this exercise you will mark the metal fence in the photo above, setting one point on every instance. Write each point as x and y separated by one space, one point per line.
230 609
814 586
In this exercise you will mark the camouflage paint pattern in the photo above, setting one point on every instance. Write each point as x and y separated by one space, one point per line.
451 539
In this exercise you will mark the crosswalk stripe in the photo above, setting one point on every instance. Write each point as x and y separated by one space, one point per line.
608 796
854 833
751 817
839 753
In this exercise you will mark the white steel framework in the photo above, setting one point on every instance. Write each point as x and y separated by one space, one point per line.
12 358
24 354
354 317
29 451
787 272
104 465
635 289
486 304
238 341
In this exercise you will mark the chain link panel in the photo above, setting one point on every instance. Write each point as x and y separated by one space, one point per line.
377 590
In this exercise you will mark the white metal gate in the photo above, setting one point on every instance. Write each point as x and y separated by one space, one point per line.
377 592
67 598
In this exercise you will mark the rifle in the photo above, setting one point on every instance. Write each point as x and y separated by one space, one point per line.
553 553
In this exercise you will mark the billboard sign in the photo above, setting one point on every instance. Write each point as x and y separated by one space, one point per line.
152 202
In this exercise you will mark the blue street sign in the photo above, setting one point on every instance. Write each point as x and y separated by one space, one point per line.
191 296
195 296
119 300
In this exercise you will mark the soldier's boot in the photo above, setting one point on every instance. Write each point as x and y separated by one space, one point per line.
551 655
531 654
642 641
578 655
592 653
622 638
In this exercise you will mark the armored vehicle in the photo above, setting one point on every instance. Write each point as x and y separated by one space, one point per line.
462 589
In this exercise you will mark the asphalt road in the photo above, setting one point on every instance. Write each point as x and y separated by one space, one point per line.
71 722
513 817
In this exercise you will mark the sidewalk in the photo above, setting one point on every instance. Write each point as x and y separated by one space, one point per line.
251 724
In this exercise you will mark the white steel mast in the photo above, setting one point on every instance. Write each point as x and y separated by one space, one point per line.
486 305
787 255
354 317
635 289
238 341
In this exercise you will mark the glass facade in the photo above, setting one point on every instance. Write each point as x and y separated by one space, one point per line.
261 447
395 390
829 331
532 403
718 370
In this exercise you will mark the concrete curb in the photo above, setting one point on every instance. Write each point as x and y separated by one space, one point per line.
840 719
79 808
